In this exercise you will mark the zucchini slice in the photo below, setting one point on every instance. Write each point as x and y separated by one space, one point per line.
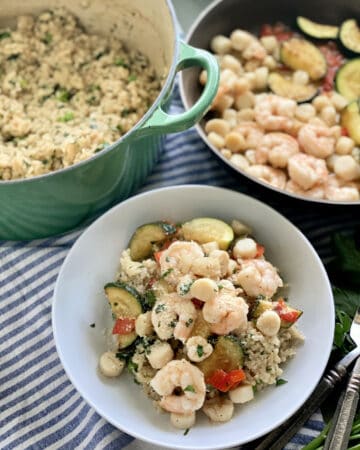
125 301
287 88
146 235
300 54
350 119
201 327
347 79
349 35
261 306
289 316
227 355
206 229
317 30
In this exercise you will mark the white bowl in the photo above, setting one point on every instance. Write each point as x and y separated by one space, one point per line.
79 301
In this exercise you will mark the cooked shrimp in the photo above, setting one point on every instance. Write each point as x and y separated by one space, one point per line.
306 170
317 141
226 312
275 177
274 113
184 375
276 148
258 277
173 315
251 133
338 190
176 260
316 192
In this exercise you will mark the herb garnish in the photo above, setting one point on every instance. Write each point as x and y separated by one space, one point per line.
189 388
4 35
280 381
47 39
160 307
200 350
165 274
66 117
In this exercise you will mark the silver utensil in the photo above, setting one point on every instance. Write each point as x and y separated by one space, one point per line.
277 439
339 433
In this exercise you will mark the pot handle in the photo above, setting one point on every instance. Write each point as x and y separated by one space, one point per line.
189 56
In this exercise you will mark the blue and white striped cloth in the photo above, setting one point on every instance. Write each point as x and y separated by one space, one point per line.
39 407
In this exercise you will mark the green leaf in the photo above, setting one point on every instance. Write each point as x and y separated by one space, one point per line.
280 381
346 300
200 350
348 256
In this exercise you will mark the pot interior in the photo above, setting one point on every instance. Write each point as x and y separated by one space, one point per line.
141 24
227 15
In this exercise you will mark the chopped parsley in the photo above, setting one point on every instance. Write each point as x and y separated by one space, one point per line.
200 351
4 35
189 322
172 324
160 307
13 57
132 367
63 95
189 388
186 431
66 117
121 63
280 381
185 288
149 299
92 325
165 274
132 77
47 39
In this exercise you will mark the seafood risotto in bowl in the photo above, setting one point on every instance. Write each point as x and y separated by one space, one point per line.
211 345
198 318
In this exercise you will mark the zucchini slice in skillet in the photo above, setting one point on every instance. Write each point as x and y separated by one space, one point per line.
350 119
347 81
300 54
287 88
146 235
125 302
317 30
206 229
227 355
349 35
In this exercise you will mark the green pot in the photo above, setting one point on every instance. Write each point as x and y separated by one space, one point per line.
59 201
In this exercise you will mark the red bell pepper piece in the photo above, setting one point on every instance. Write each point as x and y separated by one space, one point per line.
124 326
224 381
284 313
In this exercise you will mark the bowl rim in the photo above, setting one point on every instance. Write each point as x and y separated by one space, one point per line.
194 27
161 96
187 187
